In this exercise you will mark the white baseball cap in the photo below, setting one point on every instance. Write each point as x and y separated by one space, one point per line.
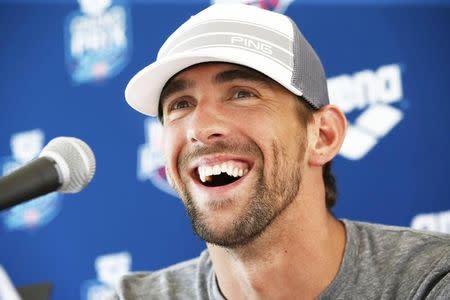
268 42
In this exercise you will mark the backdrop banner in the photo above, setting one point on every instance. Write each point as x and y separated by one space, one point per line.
64 66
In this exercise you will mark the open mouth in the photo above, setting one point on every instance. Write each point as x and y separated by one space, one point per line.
221 174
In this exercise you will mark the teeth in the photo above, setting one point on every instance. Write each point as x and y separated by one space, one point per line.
229 169
208 171
205 172
201 173
217 170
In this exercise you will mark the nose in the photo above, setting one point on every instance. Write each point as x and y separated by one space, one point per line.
208 124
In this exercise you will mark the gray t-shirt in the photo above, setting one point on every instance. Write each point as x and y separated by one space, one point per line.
380 262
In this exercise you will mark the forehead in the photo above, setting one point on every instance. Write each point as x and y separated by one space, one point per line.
212 68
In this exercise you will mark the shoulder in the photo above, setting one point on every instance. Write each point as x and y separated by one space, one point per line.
402 240
175 282
404 260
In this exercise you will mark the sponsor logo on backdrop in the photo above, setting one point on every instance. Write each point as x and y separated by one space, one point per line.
26 146
97 39
151 162
274 5
372 101
110 268
438 222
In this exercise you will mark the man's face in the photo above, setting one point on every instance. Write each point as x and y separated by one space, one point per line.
235 149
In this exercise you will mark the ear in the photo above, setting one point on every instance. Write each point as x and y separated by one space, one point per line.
327 136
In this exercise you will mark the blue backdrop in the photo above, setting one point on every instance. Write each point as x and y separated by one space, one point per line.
63 71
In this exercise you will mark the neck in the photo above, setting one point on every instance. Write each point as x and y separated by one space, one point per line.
299 253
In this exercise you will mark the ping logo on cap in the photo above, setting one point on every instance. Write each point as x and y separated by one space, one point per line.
252 44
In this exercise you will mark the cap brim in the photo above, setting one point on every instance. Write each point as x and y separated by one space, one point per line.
144 89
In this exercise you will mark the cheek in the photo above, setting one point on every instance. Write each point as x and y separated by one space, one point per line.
264 131
263 134
279 139
172 143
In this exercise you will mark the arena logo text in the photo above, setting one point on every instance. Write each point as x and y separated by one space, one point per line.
374 97
437 222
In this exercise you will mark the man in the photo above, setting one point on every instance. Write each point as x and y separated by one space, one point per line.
249 137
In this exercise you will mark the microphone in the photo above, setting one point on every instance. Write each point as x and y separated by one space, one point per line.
66 165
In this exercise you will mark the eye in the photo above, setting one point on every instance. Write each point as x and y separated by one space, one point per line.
179 104
237 94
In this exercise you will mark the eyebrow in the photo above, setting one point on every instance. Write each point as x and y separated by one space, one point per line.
174 86
177 85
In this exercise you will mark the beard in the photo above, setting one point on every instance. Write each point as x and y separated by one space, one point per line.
270 196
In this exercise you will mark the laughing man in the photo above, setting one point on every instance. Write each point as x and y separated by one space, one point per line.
249 138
